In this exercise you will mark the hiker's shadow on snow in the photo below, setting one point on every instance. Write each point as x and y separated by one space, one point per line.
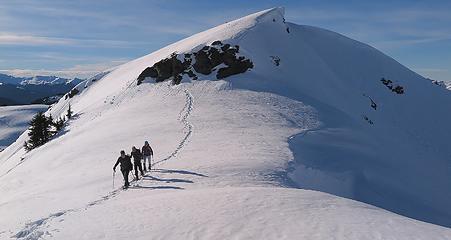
157 187
75 116
167 180
179 172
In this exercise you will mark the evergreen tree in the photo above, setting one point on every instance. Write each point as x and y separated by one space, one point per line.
58 124
40 131
69 113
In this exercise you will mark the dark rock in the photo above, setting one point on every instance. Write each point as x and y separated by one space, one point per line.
373 103
215 57
225 47
73 92
206 61
203 64
398 90
191 74
367 119
148 72
386 82
229 56
394 88
177 79
164 69
236 68
275 60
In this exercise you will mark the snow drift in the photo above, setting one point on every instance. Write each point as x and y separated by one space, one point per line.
317 111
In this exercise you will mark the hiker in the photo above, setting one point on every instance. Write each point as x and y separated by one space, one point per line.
147 154
137 156
126 167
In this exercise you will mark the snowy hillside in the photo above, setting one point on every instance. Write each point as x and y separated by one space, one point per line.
235 158
14 121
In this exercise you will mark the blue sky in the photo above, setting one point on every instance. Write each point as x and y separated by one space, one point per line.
81 37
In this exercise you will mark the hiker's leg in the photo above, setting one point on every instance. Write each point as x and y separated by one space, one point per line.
125 174
146 159
141 170
143 161
136 171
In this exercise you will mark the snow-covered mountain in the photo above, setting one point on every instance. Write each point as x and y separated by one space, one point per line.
26 90
37 80
265 110
14 121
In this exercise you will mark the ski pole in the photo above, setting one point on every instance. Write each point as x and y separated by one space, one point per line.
114 173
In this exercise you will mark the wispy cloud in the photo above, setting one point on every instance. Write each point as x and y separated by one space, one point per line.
79 70
396 43
30 40
14 39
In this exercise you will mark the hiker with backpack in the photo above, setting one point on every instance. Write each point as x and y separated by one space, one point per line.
137 156
126 167
147 154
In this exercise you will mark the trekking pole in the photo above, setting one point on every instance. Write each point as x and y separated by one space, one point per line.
114 173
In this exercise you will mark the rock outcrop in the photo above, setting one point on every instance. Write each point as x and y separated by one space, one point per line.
390 85
219 57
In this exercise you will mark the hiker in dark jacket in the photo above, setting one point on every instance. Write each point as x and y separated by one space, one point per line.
137 156
147 154
126 167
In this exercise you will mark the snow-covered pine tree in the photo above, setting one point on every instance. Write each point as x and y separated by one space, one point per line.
58 124
69 113
40 131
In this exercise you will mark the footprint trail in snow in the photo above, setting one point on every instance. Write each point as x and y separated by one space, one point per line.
37 229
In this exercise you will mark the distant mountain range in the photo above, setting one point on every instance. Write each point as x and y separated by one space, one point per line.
27 90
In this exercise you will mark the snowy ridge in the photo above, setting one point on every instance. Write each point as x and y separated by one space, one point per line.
318 118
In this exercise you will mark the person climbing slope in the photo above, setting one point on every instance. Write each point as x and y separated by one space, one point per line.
148 154
126 167
137 156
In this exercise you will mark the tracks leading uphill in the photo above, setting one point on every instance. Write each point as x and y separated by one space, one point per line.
37 229
188 127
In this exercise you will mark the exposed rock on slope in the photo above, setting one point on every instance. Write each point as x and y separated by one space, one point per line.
205 61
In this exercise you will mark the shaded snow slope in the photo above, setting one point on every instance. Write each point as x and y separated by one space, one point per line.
226 165
14 121
269 213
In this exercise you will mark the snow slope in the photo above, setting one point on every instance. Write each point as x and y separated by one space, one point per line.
14 121
232 154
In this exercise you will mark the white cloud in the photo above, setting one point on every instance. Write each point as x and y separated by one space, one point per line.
80 70
14 39
30 40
